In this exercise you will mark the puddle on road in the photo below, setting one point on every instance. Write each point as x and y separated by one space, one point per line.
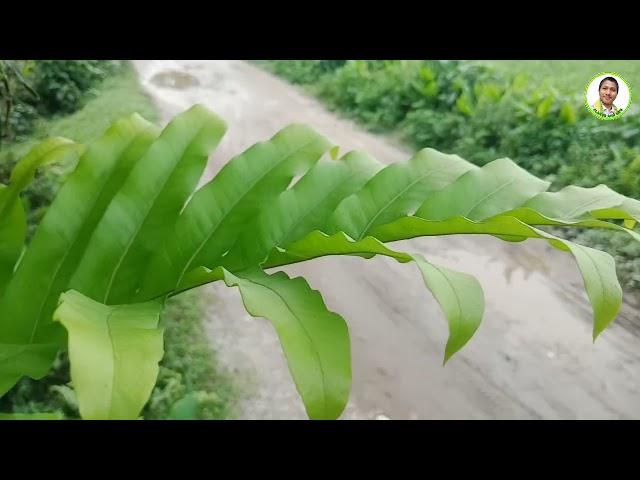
175 79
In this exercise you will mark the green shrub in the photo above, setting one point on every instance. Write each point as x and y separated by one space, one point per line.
30 89
22 118
17 115
379 94
61 84
303 71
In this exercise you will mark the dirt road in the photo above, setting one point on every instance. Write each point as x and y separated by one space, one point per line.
531 358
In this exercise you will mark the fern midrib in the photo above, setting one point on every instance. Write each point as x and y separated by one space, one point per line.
489 195
591 202
77 236
311 342
114 359
146 215
390 202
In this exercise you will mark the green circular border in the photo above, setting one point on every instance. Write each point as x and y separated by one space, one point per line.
598 115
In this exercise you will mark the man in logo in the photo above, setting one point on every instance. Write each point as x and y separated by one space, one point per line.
608 91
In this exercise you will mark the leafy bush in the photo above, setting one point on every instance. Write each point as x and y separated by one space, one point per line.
383 93
16 114
21 121
390 89
303 71
30 89
62 84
